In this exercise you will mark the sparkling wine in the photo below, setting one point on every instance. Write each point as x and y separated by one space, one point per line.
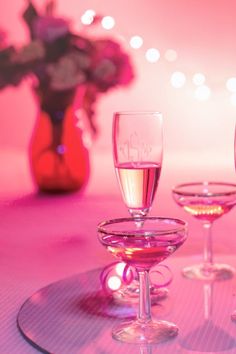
207 210
206 201
138 182
142 252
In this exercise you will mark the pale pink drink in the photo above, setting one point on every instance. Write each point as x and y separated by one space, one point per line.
207 202
207 210
139 251
137 153
143 248
138 183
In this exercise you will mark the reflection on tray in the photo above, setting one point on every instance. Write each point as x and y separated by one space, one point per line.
73 316
214 338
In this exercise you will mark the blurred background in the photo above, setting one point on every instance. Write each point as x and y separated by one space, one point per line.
186 37
183 54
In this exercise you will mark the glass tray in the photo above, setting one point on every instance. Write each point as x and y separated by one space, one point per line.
73 316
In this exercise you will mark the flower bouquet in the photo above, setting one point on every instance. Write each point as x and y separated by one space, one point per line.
64 66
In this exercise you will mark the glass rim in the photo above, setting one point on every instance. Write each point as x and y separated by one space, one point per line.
137 113
177 189
101 227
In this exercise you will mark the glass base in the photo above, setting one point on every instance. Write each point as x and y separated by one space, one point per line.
130 293
145 333
212 272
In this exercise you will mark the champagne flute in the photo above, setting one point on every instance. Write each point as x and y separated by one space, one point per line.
207 202
142 248
137 153
137 139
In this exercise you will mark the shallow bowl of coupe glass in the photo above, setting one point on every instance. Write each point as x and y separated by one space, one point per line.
207 202
142 247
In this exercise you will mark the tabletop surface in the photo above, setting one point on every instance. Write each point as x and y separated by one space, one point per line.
74 315
46 239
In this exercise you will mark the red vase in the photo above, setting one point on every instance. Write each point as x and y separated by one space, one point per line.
59 159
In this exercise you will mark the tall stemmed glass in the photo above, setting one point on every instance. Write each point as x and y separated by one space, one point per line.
143 247
207 202
137 154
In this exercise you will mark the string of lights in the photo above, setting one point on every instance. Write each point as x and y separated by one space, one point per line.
178 79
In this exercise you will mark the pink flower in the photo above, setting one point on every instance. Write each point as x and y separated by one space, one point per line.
65 74
33 51
111 66
61 61
49 28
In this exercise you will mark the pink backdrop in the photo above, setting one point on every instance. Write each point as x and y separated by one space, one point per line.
198 135
47 238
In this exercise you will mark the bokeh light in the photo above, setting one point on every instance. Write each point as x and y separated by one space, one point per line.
152 55
108 22
199 79
114 283
120 268
88 17
178 79
136 42
231 84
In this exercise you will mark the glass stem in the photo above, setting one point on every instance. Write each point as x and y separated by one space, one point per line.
208 290
208 254
146 350
144 314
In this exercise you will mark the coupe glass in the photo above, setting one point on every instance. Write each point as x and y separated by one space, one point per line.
142 248
137 154
207 202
